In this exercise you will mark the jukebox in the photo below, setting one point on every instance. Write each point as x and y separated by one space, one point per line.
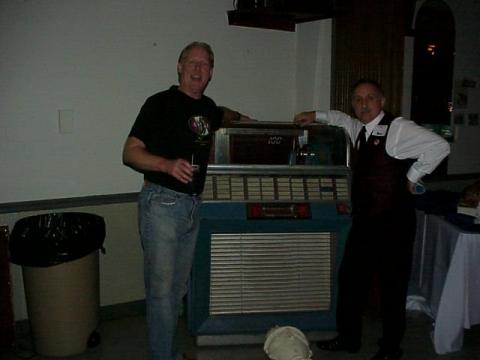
274 221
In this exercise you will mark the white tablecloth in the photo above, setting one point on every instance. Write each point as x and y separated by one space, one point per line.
445 280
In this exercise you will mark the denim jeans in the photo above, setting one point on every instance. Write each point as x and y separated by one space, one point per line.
168 223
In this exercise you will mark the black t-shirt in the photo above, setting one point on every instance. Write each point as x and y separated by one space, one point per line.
170 125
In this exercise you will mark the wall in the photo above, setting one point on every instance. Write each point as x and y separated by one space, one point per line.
97 61
100 60
466 146
313 65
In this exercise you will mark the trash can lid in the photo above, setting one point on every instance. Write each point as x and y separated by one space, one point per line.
54 238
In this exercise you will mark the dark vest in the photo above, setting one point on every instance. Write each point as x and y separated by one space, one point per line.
379 184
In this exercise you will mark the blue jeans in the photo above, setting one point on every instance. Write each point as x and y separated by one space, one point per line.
168 223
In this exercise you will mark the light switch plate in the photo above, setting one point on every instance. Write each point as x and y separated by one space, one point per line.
65 121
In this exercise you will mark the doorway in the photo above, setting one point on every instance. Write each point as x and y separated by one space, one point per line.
433 64
432 83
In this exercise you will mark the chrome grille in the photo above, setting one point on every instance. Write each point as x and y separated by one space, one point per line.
271 272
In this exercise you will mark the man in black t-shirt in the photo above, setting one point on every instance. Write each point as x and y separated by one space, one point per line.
170 144
168 126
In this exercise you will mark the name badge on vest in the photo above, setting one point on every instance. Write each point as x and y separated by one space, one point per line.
380 130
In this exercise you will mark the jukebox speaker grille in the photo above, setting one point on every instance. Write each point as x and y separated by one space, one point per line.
271 272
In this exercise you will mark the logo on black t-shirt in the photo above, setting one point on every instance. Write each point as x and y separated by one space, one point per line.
200 125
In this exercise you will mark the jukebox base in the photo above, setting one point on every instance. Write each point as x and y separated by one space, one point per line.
252 339
251 275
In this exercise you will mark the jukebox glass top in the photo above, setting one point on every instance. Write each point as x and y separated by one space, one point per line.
268 143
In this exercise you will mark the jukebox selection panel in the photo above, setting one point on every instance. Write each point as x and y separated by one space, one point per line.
276 188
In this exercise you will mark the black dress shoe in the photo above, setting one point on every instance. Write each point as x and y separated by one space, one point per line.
186 357
338 344
388 355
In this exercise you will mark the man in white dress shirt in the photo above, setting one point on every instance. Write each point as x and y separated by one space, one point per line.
389 157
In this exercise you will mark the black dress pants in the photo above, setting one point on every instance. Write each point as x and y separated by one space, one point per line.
381 246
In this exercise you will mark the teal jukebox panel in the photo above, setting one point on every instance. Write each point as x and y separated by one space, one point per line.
250 275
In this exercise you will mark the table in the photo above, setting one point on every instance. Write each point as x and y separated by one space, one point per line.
445 281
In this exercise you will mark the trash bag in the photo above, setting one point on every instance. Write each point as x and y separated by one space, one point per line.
55 238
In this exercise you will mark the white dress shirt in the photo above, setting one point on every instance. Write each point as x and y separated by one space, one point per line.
405 140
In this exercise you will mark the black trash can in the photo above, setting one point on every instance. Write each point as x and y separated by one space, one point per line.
59 255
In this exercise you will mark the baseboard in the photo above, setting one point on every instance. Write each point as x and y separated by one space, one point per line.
107 313
119 311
